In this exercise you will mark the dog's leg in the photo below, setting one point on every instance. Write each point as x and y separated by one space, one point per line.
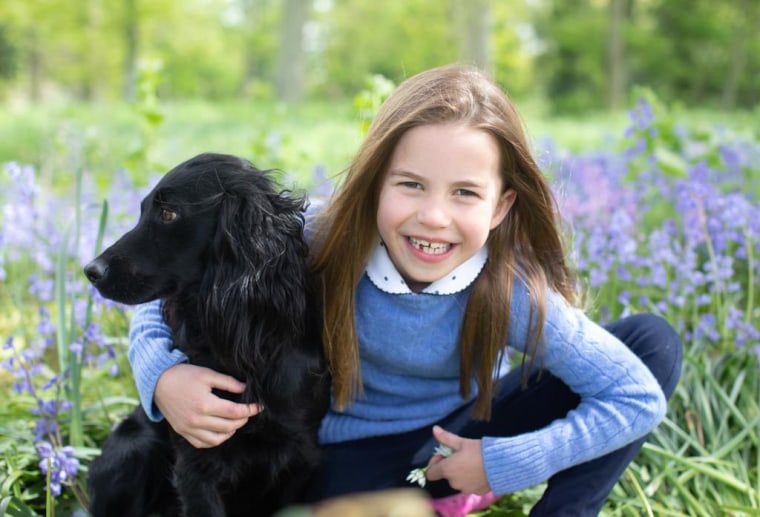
197 486
132 475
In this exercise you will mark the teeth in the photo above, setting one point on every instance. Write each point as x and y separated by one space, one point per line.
431 248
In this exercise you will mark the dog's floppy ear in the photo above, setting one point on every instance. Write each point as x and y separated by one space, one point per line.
256 289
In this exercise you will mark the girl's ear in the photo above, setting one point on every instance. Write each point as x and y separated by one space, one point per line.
506 200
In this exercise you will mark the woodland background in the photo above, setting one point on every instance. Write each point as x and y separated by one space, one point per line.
578 54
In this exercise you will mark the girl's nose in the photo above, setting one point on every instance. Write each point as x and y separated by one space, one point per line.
433 214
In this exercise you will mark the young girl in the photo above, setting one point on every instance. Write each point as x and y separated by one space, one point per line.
439 254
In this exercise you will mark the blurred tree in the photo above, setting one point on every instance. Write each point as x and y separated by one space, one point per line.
259 42
619 10
693 52
88 17
289 82
29 27
131 32
514 44
746 19
393 38
698 52
581 54
572 65
474 25
8 54
199 44
63 51
710 57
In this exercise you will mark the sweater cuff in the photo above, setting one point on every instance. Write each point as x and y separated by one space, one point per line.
147 370
513 463
150 353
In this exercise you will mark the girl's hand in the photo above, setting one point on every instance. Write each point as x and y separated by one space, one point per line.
183 395
464 468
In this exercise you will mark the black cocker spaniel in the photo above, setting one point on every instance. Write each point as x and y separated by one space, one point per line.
223 249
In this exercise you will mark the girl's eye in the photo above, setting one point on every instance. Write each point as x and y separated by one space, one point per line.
465 192
411 184
167 215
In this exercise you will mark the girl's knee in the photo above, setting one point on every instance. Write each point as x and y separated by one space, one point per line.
662 334
654 340
661 349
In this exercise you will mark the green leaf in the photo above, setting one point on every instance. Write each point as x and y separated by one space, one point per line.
670 163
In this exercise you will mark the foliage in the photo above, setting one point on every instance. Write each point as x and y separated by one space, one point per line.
7 54
414 37
664 222
703 460
575 82
53 354
708 57
697 69
368 101
150 116
228 49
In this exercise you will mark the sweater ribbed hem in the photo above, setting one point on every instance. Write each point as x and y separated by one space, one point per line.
513 465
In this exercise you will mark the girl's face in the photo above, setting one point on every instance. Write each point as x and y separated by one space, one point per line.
439 199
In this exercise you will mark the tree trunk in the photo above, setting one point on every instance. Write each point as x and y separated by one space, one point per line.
476 32
90 21
616 55
35 63
249 62
290 78
131 45
746 21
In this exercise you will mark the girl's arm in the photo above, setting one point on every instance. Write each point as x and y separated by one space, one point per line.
150 353
621 400
181 392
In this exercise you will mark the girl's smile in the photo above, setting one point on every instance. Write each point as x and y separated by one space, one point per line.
440 197
430 250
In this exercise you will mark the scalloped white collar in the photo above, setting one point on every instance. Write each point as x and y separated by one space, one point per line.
385 276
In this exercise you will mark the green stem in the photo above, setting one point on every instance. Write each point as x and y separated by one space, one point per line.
60 298
750 278
640 494
49 499
703 469
76 429
718 306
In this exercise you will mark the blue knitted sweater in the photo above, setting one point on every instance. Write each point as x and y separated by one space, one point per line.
409 354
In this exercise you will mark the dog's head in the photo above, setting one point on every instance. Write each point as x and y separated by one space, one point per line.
212 220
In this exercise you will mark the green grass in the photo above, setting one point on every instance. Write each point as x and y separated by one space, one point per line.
294 139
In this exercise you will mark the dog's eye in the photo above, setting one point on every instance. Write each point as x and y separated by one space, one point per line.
167 215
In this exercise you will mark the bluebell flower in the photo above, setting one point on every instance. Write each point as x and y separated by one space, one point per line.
76 347
60 464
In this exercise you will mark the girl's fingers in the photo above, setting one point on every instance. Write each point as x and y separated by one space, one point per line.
207 439
224 382
233 410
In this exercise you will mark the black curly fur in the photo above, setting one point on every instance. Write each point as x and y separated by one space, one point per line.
230 270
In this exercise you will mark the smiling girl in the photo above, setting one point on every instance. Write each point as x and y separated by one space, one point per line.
438 255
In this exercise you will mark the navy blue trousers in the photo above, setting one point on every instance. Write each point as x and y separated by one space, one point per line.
384 462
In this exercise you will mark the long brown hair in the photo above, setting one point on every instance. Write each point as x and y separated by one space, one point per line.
527 243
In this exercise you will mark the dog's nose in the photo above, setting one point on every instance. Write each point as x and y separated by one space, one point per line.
95 271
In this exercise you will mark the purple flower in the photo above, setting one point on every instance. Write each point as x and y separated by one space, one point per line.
60 464
42 288
94 334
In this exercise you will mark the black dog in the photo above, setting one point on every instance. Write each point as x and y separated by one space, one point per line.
224 251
